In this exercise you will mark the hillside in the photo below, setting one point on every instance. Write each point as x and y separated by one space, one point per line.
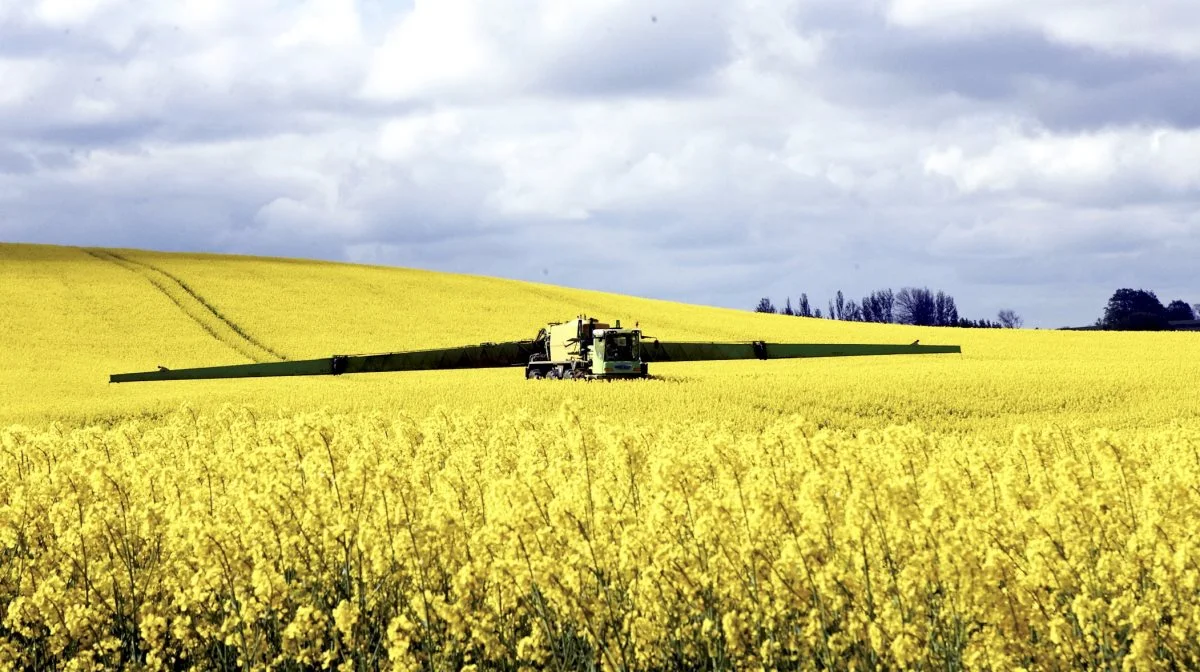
74 315
1027 504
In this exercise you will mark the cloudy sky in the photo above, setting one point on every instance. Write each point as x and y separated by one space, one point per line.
1025 154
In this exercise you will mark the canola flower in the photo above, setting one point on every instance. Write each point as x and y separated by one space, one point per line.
229 540
73 316
1027 505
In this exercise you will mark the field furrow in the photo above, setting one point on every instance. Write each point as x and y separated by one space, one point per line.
195 306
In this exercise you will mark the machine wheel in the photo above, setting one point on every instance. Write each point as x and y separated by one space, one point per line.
534 374
554 373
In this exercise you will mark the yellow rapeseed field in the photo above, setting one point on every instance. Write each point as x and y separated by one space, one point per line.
1030 504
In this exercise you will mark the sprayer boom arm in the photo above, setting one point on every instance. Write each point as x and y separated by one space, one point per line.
666 351
485 355
521 353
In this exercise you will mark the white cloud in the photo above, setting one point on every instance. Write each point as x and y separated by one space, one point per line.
416 135
722 140
64 13
765 36
1156 26
439 48
1055 166
467 50
323 23
22 79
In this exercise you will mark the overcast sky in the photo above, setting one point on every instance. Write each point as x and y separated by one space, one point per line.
1024 154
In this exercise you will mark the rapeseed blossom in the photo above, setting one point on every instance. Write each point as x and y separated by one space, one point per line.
1026 505
339 541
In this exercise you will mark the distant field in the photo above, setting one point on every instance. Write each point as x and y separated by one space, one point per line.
1028 504
73 316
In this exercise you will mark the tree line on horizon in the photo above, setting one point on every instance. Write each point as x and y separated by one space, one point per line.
1140 310
1127 310
911 305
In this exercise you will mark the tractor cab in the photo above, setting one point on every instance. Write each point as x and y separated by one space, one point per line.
617 352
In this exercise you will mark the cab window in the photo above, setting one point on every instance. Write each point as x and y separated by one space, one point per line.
620 347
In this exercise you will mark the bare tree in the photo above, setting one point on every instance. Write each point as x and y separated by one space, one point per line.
852 312
878 306
803 309
945 313
867 308
765 306
915 305
1009 319
887 300
951 312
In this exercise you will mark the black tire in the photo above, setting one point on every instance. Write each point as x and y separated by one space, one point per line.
553 373
533 374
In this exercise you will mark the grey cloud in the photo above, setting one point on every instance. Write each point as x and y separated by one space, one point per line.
184 113
22 38
13 162
142 81
643 49
1043 237
84 135
1065 87
1163 95
54 159
986 67
75 215
729 179
1167 270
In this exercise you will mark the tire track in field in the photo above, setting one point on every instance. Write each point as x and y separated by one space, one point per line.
254 342
192 304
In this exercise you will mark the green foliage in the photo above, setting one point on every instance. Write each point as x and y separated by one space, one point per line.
1180 310
1134 310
